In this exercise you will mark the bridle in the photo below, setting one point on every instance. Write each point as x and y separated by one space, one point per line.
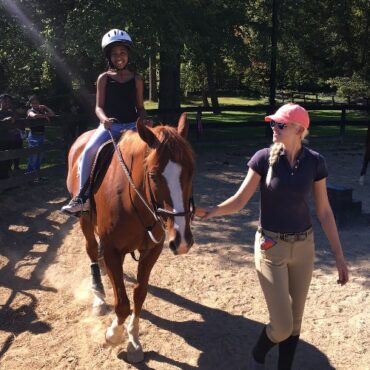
160 210
155 209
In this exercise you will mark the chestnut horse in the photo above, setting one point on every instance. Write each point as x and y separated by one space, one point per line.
145 195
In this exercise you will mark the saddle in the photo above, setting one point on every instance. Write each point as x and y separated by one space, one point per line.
100 165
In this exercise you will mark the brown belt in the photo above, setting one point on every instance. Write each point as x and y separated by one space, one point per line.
288 237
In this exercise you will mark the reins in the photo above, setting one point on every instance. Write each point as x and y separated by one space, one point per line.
156 211
131 182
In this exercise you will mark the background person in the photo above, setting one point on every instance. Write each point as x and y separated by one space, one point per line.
36 135
119 102
284 243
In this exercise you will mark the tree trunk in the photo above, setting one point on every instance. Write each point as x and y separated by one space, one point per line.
203 78
274 31
365 41
169 85
153 93
63 82
212 88
204 97
272 82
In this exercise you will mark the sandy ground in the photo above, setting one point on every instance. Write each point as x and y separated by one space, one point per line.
204 310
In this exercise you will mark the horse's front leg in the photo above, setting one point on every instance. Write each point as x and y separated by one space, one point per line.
92 249
134 349
113 261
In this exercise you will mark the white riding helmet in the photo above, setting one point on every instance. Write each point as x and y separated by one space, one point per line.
115 36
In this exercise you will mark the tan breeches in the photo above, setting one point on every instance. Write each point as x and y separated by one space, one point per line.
285 272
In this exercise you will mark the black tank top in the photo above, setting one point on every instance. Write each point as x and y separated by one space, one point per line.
120 100
38 130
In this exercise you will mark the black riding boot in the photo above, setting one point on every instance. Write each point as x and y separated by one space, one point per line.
286 352
263 345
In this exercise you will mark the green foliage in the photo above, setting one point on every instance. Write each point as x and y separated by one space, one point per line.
54 46
353 86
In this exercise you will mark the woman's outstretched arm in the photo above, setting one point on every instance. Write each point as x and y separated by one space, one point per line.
236 202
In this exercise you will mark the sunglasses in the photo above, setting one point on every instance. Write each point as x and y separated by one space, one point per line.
280 126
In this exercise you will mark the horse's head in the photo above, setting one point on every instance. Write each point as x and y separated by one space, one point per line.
170 169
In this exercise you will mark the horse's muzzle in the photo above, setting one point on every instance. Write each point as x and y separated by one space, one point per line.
178 247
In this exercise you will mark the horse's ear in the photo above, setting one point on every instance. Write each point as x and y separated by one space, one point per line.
183 126
146 134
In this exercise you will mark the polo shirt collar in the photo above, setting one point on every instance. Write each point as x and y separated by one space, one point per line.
301 154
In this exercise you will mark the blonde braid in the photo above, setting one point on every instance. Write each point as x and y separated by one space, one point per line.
275 150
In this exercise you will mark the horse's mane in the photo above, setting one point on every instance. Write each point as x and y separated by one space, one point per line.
170 141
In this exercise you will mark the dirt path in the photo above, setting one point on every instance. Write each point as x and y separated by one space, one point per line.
204 310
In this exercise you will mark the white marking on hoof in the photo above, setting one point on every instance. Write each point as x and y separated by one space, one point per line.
114 334
134 350
100 308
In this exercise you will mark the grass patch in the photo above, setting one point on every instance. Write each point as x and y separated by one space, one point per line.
232 117
223 100
231 126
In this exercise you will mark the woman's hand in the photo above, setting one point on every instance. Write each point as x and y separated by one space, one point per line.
342 270
205 213
108 122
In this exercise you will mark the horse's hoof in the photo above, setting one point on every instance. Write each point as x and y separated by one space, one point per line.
114 334
113 340
100 310
135 353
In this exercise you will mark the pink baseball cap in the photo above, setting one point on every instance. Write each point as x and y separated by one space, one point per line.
290 113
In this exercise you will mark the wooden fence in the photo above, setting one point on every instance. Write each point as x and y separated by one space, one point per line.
61 145
65 122
316 98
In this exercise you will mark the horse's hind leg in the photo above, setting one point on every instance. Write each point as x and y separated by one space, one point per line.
92 249
134 349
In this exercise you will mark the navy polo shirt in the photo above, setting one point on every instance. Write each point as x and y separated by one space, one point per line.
284 204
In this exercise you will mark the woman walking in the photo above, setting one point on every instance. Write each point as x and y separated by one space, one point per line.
284 242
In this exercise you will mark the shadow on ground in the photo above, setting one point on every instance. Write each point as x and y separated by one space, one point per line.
224 340
30 237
